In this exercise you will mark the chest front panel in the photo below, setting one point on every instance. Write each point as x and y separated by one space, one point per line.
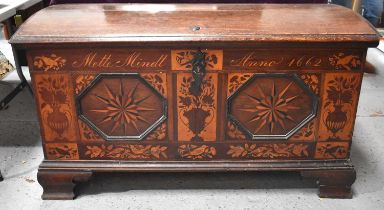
147 104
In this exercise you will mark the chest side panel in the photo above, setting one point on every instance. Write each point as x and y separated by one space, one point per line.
137 104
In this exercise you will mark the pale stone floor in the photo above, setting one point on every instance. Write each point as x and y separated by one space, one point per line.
21 153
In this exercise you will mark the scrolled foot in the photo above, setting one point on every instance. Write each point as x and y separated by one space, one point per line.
59 184
333 183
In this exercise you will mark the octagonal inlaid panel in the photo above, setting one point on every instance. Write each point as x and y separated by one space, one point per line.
121 106
272 106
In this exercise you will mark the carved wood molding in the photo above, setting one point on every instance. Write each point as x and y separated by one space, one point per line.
121 106
272 106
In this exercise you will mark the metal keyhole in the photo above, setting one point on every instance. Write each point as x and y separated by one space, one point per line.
196 28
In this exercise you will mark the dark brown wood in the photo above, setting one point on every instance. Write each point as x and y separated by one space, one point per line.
156 59
112 99
274 93
334 177
272 98
196 166
333 183
59 184
172 22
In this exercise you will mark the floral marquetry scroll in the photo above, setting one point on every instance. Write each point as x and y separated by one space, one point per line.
233 132
196 152
87 134
312 80
160 133
342 61
51 62
82 81
339 106
126 152
181 59
236 80
331 150
269 151
59 151
157 80
306 133
272 106
56 107
196 114
121 107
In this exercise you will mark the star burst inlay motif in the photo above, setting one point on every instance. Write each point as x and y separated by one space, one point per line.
122 109
270 109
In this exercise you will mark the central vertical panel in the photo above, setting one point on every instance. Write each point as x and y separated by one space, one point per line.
196 112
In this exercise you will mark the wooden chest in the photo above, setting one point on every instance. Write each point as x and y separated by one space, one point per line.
184 88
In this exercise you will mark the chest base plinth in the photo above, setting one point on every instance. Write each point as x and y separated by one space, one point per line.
59 178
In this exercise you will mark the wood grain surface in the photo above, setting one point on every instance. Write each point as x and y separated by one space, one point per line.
196 87
194 22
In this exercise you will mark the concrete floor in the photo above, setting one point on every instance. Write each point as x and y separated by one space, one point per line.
21 153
